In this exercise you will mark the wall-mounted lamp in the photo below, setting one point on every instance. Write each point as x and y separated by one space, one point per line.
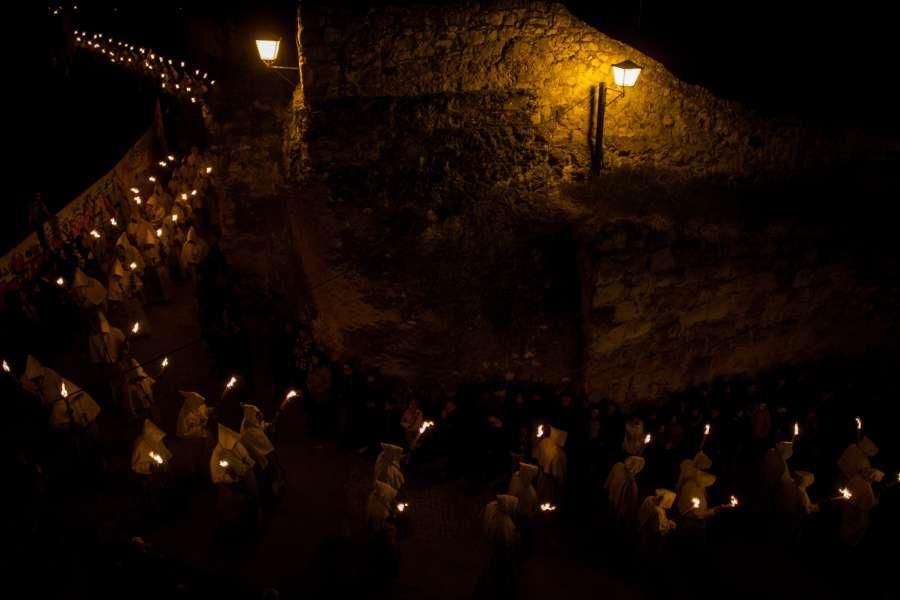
625 75
268 54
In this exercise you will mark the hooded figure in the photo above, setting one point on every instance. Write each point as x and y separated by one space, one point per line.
41 381
230 461
521 486
552 460
695 488
622 488
380 507
139 389
253 435
157 270
105 345
689 467
653 520
129 254
154 210
775 467
387 466
792 501
633 444
193 252
88 291
119 284
855 458
149 450
193 417
858 509
499 528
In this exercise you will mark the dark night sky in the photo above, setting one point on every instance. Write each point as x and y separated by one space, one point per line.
808 59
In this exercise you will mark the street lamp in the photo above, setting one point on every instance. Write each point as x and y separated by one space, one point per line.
268 53
625 75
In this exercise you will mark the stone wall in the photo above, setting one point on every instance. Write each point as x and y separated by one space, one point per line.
674 306
540 49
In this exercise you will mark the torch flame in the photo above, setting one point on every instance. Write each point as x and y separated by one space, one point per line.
6 366
734 501
695 502
426 426
60 282
845 493
165 362
136 327
540 431
95 234
231 382
63 391
156 457
547 507
223 464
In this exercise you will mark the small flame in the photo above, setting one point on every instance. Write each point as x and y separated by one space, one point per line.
223 464
132 266
6 367
174 218
647 438
231 382
137 200
734 501
184 196
845 493
858 424
95 234
159 232
113 222
208 170
135 191
796 429
547 507
163 163
426 426
182 64
63 391
193 100
540 431
706 429
151 179
165 362
291 394
60 282
171 156
695 502
402 506
193 192
156 457
136 327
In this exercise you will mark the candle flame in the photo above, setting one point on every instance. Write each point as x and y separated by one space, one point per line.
137 200
208 170
845 493
734 501
426 426
132 266
193 100
223 464
135 191
156 457
231 382
171 156
402 506
162 163
184 196
165 362
647 438
858 424
291 394
193 192
113 222
63 391
95 234
540 431
136 327
796 429
60 282
159 232
695 502
547 507
706 429
174 218
6 367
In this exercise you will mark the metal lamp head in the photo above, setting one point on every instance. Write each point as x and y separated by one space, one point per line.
268 50
625 73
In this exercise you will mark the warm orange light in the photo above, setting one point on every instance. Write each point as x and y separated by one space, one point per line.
626 73
268 49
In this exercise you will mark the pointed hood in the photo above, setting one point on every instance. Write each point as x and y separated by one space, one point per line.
507 503
705 479
785 450
192 400
634 465
804 479
118 270
252 415
868 447
228 438
527 473
33 369
151 431
702 461
665 499
192 236
559 437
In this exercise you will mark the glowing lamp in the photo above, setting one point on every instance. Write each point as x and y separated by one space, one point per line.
268 49
626 73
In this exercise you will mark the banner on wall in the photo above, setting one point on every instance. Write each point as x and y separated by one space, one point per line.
92 209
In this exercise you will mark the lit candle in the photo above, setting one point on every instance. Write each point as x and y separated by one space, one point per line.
231 382
137 200
184 196
135 191
132 266
151 179
706 429
734 501
63 391
113 222
695 502
193 100
170 157
136 327
845 493
647 438
95 234
60 282
193 192
426 426
402 506
159 232
796 429
223 464
162 163
174 218
165 362
858 424
208 170
291 394
156 457
540 431
6 367
547 507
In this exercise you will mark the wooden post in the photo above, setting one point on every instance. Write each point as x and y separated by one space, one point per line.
598 138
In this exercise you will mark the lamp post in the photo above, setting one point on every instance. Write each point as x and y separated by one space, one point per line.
625 75
268 54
